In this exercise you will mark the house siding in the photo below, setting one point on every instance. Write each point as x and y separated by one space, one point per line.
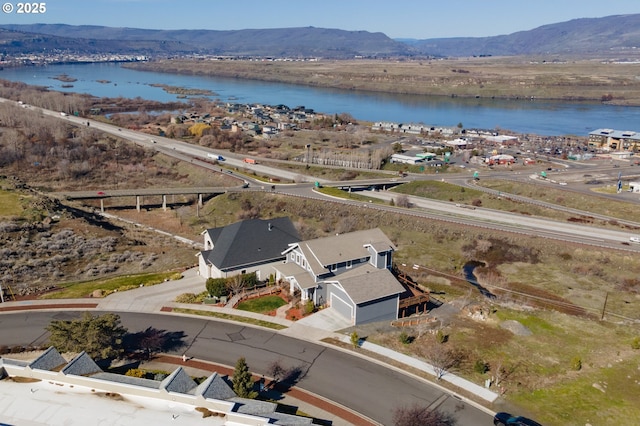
379 310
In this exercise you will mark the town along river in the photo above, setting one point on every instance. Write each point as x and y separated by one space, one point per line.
534 117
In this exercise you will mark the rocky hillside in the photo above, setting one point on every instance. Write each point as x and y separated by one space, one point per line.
617 36
307 42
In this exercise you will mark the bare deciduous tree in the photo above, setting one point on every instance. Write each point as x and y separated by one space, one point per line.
276 370
442 358
236 283
415 415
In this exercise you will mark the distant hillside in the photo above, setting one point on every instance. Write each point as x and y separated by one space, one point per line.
285 42
611 35
588 37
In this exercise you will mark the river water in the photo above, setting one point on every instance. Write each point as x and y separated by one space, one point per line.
523 116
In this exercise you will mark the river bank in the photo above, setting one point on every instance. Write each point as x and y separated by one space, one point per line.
494 78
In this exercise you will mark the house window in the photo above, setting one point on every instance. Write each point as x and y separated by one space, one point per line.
293 257
298 259
304 264
348 264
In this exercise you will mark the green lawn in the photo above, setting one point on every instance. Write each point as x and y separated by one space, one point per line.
229 317
262 304
127 282
10 204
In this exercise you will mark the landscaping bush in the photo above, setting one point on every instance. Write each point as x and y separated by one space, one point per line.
217 287
576 363
135 372
186 298
309 307
441 337
405 339
355 339
250 280
480 366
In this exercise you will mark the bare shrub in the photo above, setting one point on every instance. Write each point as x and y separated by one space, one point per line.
402 200
442 358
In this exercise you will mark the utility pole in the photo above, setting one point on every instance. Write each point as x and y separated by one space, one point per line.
604 306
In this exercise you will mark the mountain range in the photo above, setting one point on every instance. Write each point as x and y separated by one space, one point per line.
617 35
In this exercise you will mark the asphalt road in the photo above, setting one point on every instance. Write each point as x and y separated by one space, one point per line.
368 388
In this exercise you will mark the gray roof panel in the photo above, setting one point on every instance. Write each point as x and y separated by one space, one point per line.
250 242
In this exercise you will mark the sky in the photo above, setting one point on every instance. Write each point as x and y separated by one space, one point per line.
418 19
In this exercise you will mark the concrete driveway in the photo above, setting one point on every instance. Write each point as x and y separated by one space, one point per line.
326 319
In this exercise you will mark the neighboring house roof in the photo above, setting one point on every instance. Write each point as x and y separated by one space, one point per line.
326 251
366 283
250 242
179 381
215 387
81 365
49 360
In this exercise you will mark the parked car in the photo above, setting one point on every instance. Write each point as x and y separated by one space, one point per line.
634 239
506 419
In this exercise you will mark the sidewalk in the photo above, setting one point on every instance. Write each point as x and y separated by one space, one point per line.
160 299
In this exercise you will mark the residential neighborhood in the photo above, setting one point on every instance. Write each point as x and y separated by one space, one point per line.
349 273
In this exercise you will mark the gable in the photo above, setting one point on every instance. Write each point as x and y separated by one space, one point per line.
344 247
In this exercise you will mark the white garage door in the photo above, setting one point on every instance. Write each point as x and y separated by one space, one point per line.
342 307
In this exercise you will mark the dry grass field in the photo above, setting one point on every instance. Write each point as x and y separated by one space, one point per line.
504 78
555 290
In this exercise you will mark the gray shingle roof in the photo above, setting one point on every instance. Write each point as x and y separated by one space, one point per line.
128 380
366 283
81 365
49 360
215 387
250 242
178 381
290 419
253 406
340 248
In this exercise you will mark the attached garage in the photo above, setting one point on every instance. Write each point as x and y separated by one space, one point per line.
343 307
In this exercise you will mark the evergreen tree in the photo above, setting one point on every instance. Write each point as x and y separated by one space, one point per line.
100 336
242 380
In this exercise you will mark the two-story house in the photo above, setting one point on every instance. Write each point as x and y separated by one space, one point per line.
253 245
350 272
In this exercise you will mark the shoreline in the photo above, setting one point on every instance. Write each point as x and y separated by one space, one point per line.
550 82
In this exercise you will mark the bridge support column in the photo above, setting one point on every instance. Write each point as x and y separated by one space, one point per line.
102 205
137 202
164 203
199 200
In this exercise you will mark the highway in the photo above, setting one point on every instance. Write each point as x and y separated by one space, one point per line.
369 388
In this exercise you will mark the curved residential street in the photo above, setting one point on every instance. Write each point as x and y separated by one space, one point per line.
351 380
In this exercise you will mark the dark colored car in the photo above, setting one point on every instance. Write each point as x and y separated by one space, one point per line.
506 419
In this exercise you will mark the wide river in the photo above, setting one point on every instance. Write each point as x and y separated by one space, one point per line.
523 116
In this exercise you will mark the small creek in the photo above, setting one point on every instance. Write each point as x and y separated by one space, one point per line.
468 269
